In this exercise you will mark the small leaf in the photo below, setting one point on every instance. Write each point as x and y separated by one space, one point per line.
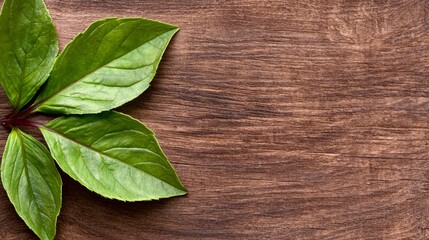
113 155
32 183
109 64
28 46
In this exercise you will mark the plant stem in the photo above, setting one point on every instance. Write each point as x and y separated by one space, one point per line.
15 119
9 123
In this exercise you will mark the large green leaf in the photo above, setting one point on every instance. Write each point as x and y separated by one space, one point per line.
32 183
28 46
109 64
113 155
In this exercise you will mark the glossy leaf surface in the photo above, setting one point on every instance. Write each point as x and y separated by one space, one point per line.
113 155
28 46
109 64
32 183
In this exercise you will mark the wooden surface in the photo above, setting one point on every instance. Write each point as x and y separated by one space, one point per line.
284 119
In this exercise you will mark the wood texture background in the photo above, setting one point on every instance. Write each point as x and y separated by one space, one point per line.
284 119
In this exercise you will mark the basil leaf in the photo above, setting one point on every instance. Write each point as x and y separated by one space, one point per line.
113 155
32 183
28 46
109 64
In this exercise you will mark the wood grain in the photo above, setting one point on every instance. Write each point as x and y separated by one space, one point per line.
284 119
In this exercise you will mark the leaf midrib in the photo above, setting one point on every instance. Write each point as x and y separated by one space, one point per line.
24 154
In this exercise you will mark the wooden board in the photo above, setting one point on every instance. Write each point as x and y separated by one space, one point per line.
284 119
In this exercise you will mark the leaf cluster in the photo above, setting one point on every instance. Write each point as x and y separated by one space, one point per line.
110 153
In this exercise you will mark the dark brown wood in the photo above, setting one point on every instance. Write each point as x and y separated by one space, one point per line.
284 119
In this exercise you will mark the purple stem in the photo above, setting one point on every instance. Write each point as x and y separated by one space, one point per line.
9 123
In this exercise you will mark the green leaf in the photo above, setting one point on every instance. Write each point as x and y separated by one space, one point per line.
32 183
113 155
109 64
28 46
